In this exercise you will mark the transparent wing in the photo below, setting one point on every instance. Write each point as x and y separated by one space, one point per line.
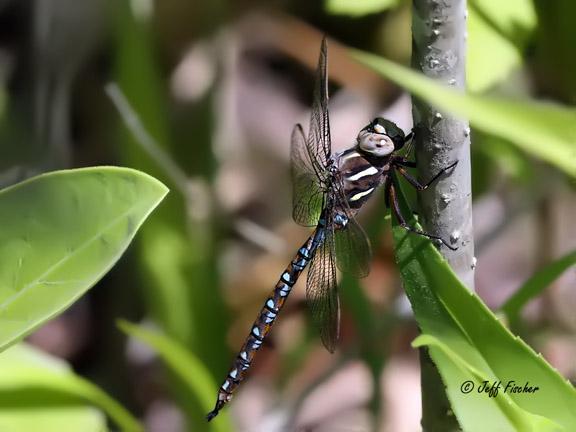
319 146
307 194
353 252
322 293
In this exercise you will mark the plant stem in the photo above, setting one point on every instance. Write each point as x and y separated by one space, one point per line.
439 52
439 43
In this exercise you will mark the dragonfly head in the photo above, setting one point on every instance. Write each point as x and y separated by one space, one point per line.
381 137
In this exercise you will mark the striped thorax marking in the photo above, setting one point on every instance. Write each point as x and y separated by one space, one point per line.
346 157
361 174
367 172
359 195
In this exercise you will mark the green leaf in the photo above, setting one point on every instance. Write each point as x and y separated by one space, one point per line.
41 392
358 8
476 410
52 419
191 371
513 19
61 232
450 314
545 130
498 35
536 284
490 57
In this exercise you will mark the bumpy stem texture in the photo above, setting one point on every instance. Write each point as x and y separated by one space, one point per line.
439 51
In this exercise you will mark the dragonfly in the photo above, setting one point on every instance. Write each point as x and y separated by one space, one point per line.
328 191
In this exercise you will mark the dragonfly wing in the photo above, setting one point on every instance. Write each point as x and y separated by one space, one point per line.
319 145
353 252
322 293
307 194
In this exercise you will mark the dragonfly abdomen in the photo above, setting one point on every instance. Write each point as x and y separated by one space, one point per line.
266 318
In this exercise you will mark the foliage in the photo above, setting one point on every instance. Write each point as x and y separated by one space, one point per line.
185 366
527 124
358 7
178 251
62 231
40 392
536 284
468 343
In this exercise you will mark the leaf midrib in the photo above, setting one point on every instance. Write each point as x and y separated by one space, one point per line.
63 260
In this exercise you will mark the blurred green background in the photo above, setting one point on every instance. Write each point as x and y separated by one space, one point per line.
218 85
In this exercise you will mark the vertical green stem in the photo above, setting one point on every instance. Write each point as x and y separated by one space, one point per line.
439 52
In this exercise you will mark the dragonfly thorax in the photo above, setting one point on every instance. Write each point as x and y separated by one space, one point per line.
340 221
360 175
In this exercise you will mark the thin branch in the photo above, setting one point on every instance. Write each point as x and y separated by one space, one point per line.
266 239
148 143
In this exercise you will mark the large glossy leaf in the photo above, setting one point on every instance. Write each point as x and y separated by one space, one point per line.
39 392
536 284
187 367
61 232
545 130
467 342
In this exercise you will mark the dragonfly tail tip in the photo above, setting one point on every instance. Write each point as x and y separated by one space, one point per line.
219 404
211 414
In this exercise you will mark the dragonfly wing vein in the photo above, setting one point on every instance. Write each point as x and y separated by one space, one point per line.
353 252
319 145
307 193
322 292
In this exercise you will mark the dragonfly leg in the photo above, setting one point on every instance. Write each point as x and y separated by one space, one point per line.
409 136
414 182
404 162
387 185
396 210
